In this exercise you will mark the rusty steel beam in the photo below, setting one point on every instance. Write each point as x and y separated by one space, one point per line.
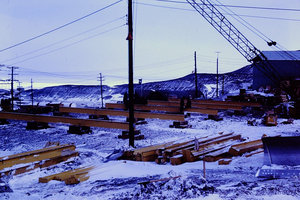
217 106
143 107
214 102
65 120
163 116
203 111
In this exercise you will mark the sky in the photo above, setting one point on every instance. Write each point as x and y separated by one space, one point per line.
166 34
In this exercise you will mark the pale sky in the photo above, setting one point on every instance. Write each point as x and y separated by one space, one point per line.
164 39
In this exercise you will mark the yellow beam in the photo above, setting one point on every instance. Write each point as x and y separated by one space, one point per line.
32 156
66 120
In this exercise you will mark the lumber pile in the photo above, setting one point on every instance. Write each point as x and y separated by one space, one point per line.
41 158
209 149
70 177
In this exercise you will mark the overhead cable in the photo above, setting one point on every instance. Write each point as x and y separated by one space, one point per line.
60 27
236 6
68 45
61 41
191 10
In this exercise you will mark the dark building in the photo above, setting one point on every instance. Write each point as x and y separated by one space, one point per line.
286 63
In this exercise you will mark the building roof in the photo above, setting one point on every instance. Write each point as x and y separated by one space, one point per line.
282 55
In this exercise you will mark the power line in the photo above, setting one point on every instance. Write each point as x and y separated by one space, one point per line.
238 6
61 41
54 50
60 27
191 10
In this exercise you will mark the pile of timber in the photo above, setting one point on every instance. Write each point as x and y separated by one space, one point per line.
209 149
41 158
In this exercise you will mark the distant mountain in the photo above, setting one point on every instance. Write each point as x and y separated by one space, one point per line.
184 86
241 78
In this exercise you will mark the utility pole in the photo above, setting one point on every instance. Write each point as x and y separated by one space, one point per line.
223 85
196 77
141 87
217 90
12 85
130 75
31 89
19 94
101 88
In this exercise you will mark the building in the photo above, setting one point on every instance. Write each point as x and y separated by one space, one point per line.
285 63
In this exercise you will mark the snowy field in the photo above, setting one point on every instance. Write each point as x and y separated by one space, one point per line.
118 179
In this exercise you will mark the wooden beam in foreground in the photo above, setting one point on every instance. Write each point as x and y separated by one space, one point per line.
33 156
176 117
40 164
66 120
69 177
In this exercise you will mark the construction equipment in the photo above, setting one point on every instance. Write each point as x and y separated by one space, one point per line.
278 150
281 157
246 48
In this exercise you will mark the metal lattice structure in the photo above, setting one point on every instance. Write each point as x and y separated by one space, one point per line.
234 37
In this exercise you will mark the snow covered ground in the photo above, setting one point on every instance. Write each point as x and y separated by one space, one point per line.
118 179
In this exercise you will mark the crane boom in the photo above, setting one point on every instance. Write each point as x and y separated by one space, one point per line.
235 37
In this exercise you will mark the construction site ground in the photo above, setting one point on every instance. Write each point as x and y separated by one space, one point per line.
119 179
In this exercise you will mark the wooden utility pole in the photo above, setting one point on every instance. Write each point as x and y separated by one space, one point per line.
217 90
130 75
196 77
31 89
12 85
101 88
223 85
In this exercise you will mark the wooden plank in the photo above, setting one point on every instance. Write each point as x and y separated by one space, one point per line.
65 120
79 174
150 148
242 148
254 153
191 144
41 164
163 116
33 156
177 160
203 111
